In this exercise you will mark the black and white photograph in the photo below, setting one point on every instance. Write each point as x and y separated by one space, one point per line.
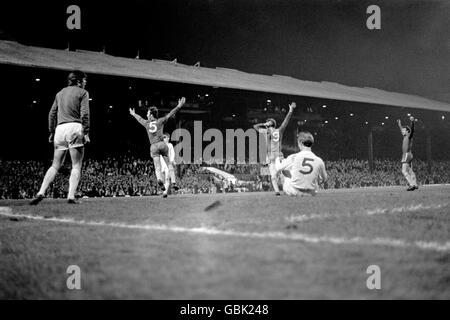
219 150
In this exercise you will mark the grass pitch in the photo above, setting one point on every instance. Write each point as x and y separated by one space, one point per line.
230 246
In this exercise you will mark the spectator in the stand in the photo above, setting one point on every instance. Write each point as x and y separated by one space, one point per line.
106 178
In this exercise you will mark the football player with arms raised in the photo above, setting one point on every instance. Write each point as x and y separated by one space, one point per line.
407 157
154 127
274 137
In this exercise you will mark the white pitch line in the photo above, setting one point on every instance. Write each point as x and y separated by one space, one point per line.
400 243
376 211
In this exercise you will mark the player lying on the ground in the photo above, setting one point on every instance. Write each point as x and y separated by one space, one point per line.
274 137
407 156
155 127
169 176
303 171
69 130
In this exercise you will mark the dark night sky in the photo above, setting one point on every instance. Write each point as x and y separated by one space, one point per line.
310 40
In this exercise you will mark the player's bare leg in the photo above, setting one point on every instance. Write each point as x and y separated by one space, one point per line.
58 160
274 178
166 184
166 177
171 174
173 178
412 177
414 180
157 164
76 155
406 174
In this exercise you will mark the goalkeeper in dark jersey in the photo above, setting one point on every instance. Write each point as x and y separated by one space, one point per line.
68 124
407 156
155 129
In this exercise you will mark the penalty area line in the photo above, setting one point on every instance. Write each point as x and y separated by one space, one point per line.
398 243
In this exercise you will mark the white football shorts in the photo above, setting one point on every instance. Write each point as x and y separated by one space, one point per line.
69 135
290 190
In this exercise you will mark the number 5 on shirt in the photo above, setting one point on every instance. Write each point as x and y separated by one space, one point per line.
306 163
152 127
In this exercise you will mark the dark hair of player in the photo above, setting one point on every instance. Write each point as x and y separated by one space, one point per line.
154 111
76 77
274 123
308 143
166 135
305 138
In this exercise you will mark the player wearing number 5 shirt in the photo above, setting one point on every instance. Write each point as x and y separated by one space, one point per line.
155 127
304 170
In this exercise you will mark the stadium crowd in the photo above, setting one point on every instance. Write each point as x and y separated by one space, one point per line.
128 176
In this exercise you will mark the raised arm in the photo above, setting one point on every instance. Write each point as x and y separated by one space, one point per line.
261 127
412 127
283 164
137 117
172 112
399 124
283 126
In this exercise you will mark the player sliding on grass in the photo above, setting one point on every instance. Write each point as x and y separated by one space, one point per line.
274 138
154 127
303 170
407 156
69 130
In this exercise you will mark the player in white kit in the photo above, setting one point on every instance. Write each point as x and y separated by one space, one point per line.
304 170
169 175
274 137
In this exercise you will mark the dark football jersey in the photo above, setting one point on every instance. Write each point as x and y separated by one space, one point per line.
154 127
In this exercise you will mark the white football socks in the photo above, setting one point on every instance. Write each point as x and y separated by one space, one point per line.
48 178
172 173
74 179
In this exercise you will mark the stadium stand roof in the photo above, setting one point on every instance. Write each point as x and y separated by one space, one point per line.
14 53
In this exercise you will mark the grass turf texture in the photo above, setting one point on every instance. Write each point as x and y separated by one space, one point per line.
233 263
